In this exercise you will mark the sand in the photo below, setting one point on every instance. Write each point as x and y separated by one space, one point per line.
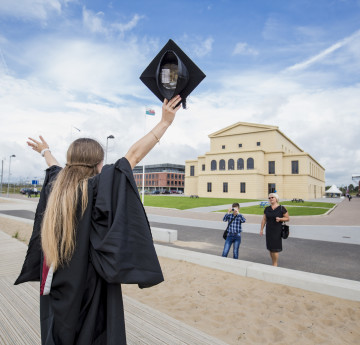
240 310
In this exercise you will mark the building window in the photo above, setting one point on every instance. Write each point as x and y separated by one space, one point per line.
192 170
168 175
258 143
209 186
271 188
223 147
250 163
230 164
242 187
271 167
222 164
168 183
240 145
203 167
225 187
240 164
294 167
172 183
213 165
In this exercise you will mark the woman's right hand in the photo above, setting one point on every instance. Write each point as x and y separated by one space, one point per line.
169 110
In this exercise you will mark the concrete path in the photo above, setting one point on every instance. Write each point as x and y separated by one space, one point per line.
345 214
314 245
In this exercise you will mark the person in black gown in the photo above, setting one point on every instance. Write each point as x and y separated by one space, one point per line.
274 215
90 235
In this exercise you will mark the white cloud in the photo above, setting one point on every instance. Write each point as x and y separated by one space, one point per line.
204 48
94 86
326 52
124 27
94 22
29 9
197 46
273 29
242 48
87 68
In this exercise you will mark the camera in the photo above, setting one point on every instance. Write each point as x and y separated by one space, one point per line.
233 209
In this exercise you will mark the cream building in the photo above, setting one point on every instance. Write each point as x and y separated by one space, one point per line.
248 160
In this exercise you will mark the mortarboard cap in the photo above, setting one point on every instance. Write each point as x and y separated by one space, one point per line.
172 73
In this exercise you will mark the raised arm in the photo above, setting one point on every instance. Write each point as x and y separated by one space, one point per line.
143 146
43 148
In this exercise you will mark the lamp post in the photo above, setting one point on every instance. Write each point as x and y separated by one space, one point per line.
107 139
2 175
9 175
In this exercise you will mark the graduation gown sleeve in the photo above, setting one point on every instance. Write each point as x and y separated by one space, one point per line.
121 245
31 269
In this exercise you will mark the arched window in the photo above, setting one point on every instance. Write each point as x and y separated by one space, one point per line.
230 164
213 165
250 163
222 164
240 164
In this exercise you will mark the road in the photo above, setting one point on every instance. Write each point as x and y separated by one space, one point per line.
314 245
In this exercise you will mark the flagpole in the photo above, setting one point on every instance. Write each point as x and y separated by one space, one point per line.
143 173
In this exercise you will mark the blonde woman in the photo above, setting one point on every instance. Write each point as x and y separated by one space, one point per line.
274 215
90 235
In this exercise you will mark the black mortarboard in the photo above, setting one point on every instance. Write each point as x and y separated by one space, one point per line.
172 73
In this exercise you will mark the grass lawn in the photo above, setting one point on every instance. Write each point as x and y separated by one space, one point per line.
184 202
293 211
309 203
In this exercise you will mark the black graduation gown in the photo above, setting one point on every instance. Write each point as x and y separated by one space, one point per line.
113 246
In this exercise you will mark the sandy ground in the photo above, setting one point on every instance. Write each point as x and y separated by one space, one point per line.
240 310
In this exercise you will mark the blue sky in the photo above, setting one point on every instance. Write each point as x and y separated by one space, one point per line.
292 64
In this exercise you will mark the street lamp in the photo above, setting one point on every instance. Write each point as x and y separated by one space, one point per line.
9 175
107 139
2 175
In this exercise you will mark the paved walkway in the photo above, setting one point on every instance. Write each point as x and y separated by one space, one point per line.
345 214
334 252
20 317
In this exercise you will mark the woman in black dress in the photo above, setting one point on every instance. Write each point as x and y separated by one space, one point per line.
274 215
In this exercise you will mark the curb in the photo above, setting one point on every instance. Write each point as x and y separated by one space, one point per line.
326 285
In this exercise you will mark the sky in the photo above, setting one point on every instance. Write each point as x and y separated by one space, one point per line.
70 68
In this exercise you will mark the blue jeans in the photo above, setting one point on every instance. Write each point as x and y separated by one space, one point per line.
232 238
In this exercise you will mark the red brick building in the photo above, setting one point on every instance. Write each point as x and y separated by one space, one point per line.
161 177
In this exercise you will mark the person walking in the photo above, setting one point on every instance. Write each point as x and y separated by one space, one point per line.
90 235
234 219
274 215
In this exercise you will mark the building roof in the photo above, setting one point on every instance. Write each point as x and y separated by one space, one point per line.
252 127
248 127
165 167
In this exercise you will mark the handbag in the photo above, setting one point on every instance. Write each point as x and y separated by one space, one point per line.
225 234
285 230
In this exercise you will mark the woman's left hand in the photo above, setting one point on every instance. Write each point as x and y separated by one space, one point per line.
37 145
278 219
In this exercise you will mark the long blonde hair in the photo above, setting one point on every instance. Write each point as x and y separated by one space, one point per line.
58 230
